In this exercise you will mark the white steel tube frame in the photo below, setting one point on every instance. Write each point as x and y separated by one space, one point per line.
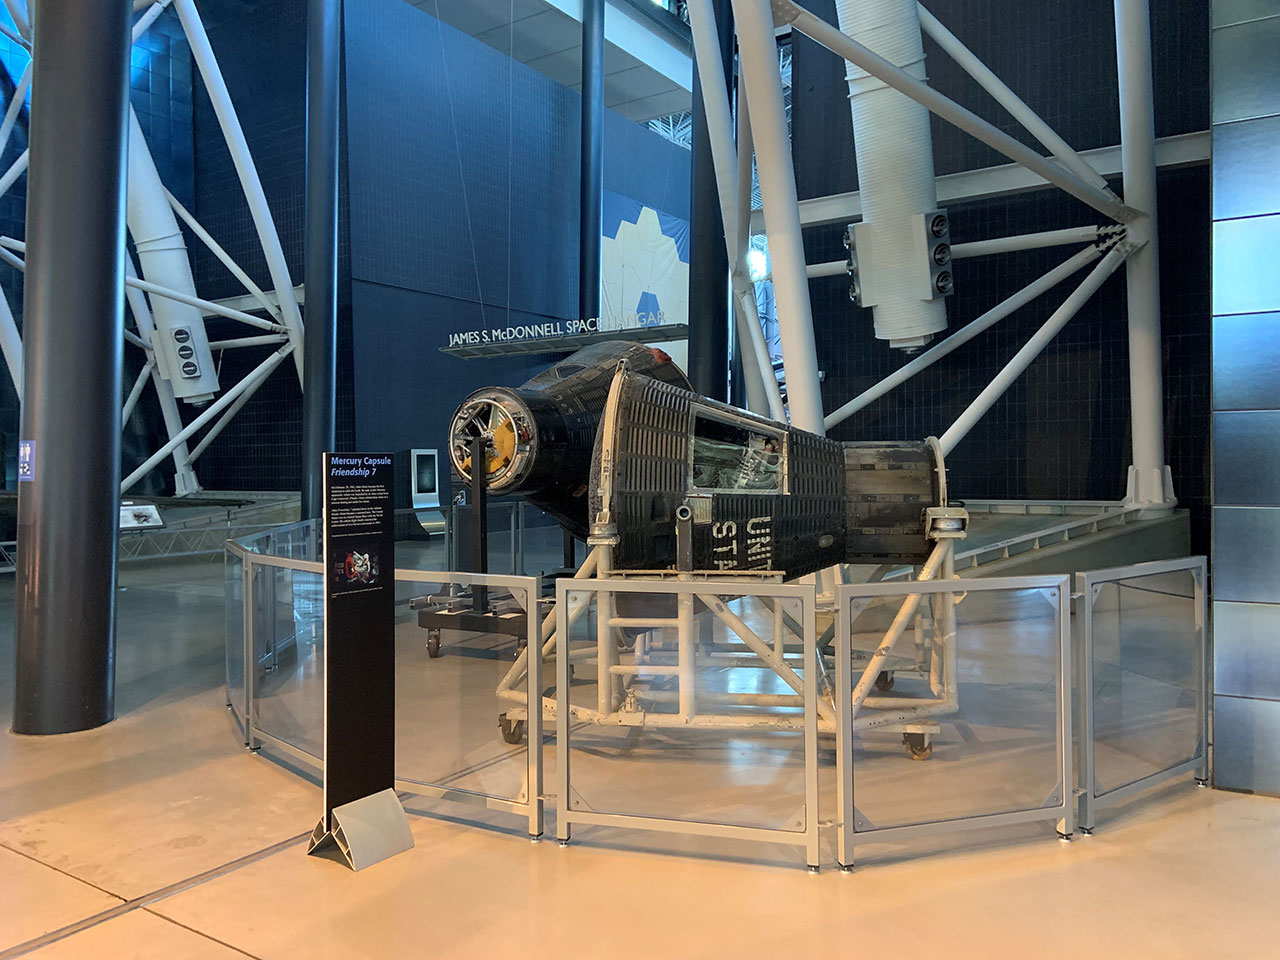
261 372
758 54
966 333
757 368
184 478
830 37
1016 106
1032 348
202 53
983 248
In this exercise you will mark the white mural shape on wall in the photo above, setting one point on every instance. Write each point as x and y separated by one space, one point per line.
644 266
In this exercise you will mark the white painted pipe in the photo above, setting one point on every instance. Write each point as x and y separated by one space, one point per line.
894 151
906 612
141 381
11 344
236 342
224 258
983 248
1032 348
184 478
1137 152
132 281
1028 241
728 168
208 306
16 169
145 21
228 415
758 55
15 106
746 309
163 259
837 42
260 372
16 37
18 11
1016 106
966 333
202 52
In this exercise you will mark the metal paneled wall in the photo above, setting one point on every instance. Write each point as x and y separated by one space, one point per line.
1245 96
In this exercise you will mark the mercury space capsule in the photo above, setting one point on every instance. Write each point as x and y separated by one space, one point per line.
615 444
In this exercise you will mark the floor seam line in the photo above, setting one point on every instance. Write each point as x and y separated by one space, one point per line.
201 933
155 896
65 873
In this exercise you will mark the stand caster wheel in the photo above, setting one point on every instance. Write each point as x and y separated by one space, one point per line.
433 643
919 746
813 869
563 843
1064 838
512 730
884 682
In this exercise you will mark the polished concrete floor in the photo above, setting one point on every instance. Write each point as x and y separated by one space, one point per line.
159 836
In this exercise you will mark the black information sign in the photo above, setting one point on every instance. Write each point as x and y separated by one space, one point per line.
359 628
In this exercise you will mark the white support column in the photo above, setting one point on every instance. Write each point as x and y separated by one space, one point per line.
719 120
202 52
758 56
1147 483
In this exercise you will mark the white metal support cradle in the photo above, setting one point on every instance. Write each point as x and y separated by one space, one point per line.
178 361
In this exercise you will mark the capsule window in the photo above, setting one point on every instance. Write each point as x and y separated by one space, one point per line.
736 458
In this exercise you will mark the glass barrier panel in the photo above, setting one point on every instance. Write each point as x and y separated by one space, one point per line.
503 538
289 656
962 726
698 718
233 571
1146 677
461 704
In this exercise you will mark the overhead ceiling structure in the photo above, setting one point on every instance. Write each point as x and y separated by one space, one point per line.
647 62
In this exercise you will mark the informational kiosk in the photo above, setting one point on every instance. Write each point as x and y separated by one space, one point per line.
362 814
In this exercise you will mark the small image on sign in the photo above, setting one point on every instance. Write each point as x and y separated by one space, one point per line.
361 568
26 459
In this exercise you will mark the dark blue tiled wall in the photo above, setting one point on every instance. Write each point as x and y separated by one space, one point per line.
262 53
464 210
461 212
1062 430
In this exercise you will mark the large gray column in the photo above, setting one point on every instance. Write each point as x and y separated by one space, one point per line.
708 257
320 363
73 319
592 158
